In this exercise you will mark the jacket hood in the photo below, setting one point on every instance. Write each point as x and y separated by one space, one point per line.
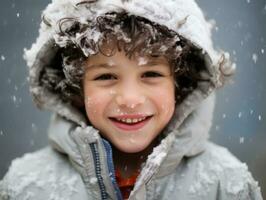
191 122
184 17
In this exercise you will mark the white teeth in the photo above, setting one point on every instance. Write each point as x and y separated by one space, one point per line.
135 120
130 121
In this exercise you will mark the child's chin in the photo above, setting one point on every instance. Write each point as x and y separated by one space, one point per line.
132 148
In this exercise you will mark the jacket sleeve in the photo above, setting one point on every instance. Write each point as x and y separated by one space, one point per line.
17 182
238 184
253 191
4 190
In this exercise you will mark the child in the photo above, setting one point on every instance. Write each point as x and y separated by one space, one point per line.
132 87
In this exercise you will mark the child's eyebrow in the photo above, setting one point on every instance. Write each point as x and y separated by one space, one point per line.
149 63
153 62
101 65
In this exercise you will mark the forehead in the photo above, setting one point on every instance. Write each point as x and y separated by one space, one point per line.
119 58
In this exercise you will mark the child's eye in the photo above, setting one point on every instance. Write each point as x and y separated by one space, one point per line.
151 74
105 77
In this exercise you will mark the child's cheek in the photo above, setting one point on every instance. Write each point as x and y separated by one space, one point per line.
167 107
91 106
165 98
97 101
94 102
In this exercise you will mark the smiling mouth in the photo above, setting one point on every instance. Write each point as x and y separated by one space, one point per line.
130 124
130 120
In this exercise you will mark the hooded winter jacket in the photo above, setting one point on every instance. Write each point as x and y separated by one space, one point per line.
78 165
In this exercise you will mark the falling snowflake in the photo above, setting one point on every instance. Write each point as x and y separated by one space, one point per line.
241 140
3 58
260 118
14 98
254 58
18 15
34 128
224 116
240 24
239 114
262 51
1 133
32 143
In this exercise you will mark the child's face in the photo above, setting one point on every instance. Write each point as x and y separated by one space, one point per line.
118 88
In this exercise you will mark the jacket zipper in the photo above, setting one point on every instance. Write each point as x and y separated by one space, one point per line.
97 163
111 168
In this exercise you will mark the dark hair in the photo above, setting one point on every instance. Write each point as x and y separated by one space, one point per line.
120 31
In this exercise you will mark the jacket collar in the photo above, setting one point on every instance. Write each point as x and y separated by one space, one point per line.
187 140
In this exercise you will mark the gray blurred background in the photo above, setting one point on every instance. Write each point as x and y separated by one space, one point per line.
240 116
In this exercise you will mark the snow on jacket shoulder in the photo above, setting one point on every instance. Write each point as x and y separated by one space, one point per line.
45 174
214 174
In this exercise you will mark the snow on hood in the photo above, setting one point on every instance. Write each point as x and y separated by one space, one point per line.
192 118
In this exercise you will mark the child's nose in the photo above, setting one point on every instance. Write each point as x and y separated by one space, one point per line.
130 96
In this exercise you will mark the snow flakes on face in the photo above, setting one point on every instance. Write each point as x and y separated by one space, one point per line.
142 61
89 102
111 62
112 92
132 140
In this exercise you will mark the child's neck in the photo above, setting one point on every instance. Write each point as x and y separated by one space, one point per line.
129 164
